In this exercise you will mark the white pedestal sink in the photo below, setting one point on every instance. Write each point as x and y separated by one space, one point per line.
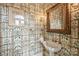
50 46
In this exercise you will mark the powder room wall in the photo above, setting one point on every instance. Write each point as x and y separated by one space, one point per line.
20 40
33 45
67 41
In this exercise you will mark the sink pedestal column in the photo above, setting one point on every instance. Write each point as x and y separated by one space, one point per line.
51 53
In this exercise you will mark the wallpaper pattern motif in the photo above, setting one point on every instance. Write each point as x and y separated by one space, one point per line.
19 40
67 41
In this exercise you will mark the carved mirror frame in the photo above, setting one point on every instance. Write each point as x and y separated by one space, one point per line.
58 19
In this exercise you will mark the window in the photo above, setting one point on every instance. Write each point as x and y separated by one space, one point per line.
16 17
19 20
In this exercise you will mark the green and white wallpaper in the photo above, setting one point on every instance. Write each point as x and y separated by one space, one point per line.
24 40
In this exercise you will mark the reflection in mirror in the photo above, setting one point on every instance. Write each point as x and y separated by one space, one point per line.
56 19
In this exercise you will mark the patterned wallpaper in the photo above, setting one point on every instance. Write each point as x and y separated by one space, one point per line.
23 40
67 41
20 40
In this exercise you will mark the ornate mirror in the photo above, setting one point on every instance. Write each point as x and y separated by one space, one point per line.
58 20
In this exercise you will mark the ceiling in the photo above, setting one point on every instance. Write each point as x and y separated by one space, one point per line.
37 7
46 6
43 6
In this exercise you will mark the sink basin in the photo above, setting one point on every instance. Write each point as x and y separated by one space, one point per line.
51 46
